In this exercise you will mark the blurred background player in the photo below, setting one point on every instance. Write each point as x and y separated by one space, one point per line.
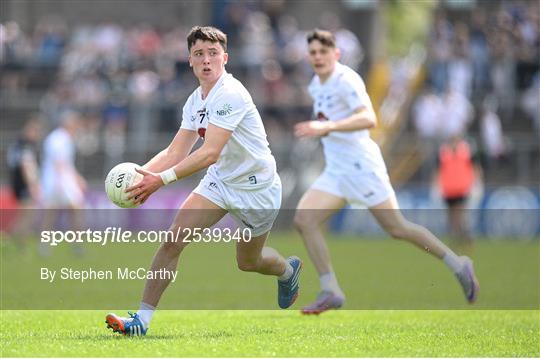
22 160
63 187
355 173
241 177
456 176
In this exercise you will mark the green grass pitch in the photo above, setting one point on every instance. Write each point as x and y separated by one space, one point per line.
277 334
392 290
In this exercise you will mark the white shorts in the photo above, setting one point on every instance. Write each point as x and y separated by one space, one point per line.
366 189
256 210
67 195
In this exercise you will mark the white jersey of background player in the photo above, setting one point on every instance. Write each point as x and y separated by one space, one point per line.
335 99
62 185
241 177
355 173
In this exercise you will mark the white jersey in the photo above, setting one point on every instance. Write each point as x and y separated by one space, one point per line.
342 94
59 152
246 162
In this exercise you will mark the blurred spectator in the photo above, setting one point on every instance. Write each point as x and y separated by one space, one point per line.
491 131
256 39
115 118
530 103
22 161
440 47
460 68
15 53
88 140
457 114
142 86
455 177
427 117
57 101
480 55
352 53
50 37
88 92
503 72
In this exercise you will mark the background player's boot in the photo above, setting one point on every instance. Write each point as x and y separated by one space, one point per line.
132 326
468 280
288 289
325 300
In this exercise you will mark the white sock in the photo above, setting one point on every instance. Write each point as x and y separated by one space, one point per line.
329 284
453 262
145 312
287 274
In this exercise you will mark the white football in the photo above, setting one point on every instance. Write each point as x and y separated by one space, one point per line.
119 178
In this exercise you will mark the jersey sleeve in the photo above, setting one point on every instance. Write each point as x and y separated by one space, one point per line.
187 122
354 93
228 109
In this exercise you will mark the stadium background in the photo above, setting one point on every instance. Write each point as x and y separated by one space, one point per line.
124 69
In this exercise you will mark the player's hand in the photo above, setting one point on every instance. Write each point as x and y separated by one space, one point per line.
311 129
150 183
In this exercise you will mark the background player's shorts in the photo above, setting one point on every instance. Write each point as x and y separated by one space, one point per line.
366 189
256 210
63 195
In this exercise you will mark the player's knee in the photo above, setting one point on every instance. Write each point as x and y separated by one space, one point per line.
397 232
247 265
175 243
302 221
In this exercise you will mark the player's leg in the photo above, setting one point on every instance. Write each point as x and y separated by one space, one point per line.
254 256
458 224
313 210
389 216
196 212
24 229
76 215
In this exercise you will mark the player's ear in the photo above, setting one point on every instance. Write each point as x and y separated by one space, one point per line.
189 60
338 53
225 58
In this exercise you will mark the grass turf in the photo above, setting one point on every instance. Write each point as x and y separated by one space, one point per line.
375 275
277 334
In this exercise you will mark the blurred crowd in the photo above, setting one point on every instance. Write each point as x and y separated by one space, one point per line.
129 81
485 68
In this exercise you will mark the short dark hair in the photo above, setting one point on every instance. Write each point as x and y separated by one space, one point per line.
206 33
324 37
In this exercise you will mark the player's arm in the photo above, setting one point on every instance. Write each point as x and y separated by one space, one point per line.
208 154
362 118
178 149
